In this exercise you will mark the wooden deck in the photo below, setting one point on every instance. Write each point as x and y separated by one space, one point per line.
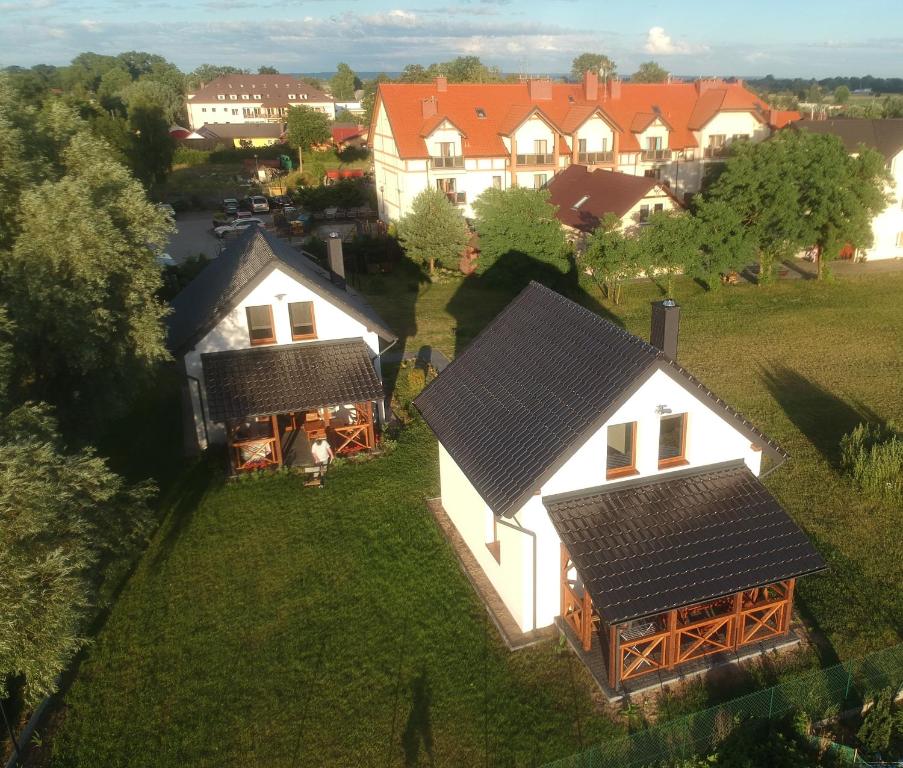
511 633
594 660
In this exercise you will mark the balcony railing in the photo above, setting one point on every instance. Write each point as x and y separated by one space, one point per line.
535 159
457 198
655 154
715 151
591 158
451 161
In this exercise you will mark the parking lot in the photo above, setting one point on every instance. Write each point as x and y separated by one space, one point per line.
194 235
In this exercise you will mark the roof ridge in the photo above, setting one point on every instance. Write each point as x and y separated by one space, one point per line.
636 482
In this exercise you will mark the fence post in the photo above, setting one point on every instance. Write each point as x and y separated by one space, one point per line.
771 702
846 692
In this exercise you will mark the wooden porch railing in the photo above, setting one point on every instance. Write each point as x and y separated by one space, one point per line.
358 436
576 610
258 454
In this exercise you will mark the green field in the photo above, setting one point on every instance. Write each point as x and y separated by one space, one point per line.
275 625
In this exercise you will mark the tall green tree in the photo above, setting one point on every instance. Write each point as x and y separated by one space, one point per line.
841 94
80 281
649 72
668 245
344 83
433 230
63 517
369 97
306 127
520 224
18 168
593 62
267 71
206 73
611 258
725 245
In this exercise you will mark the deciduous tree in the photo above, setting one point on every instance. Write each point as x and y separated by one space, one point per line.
611 258
594 62
649 72
668 245
267 71
344 83
519 222
433 230
841 94
306 127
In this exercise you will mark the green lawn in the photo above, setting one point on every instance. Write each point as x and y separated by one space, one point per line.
274 625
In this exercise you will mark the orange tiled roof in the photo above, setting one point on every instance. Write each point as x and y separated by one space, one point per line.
778 118
681 106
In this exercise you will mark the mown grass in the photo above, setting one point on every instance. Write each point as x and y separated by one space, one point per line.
271 624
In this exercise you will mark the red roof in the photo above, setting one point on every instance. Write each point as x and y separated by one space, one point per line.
683 107
778 118
583 197
343 132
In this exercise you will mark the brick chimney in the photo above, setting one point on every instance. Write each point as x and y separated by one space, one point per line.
591 85
540 90
428 107
336 259
665 326
441 83
614 87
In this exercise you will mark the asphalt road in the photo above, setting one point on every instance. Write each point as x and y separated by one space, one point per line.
194 235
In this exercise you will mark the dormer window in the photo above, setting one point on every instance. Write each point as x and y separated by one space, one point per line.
621 458
221 96
233 96
261 329
257 96
245 96
481 113
291 97
672 441
303 96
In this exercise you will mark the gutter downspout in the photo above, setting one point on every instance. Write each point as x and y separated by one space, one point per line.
197 381
532 535
379 356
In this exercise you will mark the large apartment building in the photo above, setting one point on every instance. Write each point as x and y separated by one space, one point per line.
465 138
253 99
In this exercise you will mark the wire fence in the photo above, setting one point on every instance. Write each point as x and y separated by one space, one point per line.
818 694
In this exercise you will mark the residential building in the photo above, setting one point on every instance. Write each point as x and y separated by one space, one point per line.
593 483
276 351
465 138
253 99
885 136
244 134
583 197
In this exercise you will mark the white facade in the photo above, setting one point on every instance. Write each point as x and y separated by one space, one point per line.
234 108
277 289
710 439
887 226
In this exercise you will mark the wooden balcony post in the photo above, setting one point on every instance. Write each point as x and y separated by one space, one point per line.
277 445
586 617
613 663
564 580
672 647
737 621
788 606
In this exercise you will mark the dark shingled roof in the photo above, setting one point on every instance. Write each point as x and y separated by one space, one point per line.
290 377
646 546
541 378
885 135
223 283
607 192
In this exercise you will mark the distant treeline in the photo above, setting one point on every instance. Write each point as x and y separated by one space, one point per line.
772 84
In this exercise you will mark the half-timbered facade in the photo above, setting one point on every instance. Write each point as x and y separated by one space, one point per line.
466 138
277 352
598 484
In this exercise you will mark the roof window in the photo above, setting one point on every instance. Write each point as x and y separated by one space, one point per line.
221 96
580 202
256 95
291 97
233 96
245 96
481 113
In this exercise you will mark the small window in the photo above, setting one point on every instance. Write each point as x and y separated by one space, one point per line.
581 201
539 180
245 96
644 213
213 109
303 96
496 182
257 96
221 96
716 140
672 441
234 111
481 113
233 96
581 146
659 207
301 315
203 109
260 325
540 147
621 458
291 97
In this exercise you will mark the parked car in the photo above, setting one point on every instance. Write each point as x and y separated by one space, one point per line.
237 226
230 206
281 201
258 204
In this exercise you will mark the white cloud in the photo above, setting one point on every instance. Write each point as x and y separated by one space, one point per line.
90 24
658 42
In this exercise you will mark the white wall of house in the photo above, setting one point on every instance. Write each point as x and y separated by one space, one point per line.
730 124
534 129
655 130
655 196
598 135
233 110
887 226
277 290
710 439
444 134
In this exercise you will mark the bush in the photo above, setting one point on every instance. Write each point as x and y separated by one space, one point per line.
188 156
873 455
878 724
411 380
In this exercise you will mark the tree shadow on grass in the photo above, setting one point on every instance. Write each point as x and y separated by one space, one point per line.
823 417
418 731
481 297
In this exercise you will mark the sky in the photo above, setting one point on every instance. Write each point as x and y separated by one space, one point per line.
789 38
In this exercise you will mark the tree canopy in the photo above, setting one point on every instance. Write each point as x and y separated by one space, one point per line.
433 230
462 69
344 83
650 72
611 258
594 62
518 225
267 71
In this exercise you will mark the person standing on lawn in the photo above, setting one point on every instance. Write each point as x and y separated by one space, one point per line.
322 452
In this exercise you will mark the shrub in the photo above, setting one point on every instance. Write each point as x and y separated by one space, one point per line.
878 724
411 380
873 455
188 156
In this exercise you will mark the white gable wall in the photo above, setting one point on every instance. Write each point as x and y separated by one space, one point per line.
277 290
596 132
887 226
711 438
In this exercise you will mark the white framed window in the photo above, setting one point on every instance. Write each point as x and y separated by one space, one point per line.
304 96
539 180
233 96
245 96
213 109
234 111
291 97
203 109
257 96
221 96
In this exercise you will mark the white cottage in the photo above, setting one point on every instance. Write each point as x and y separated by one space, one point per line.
599 486
277 351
